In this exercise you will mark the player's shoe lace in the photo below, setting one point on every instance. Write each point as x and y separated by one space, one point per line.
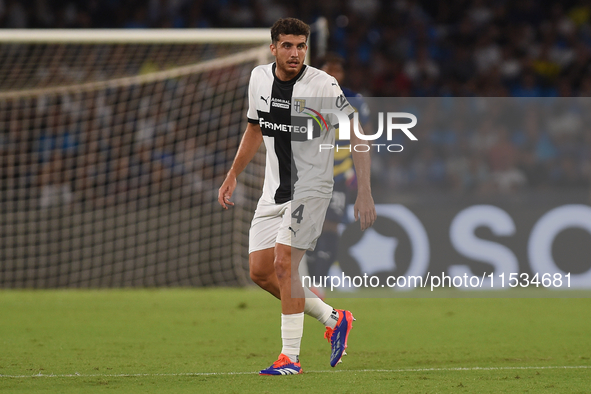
283 366
338 336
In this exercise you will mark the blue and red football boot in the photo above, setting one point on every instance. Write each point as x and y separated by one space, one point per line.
283 366
338 336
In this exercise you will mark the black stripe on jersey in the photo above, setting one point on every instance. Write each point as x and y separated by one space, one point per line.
282 91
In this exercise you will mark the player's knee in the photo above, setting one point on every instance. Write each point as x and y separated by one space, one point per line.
259 277
282 267
258 273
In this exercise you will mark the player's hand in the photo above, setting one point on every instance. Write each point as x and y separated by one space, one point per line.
365 210
226 190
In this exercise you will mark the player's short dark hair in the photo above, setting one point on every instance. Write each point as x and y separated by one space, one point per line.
287 26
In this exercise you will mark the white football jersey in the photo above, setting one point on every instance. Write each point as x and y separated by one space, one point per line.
295 167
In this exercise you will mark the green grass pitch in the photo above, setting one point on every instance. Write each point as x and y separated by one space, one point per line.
214 340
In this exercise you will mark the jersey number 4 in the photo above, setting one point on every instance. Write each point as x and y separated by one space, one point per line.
298 214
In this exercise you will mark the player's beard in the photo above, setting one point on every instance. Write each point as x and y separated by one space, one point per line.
290 72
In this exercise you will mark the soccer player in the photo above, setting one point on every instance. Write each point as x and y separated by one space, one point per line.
324 255
297 188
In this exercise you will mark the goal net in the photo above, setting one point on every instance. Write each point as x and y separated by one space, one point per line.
113 145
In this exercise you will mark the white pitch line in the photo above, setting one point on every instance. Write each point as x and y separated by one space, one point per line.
135 375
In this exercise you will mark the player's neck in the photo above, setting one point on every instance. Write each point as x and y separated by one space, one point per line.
286 76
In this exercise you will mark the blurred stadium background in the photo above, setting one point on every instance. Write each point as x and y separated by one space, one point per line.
112 151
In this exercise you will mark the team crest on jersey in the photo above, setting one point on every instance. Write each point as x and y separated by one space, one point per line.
299 105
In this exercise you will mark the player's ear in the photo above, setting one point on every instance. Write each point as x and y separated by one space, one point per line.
273 49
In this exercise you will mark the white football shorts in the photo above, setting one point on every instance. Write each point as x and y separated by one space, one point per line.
294 223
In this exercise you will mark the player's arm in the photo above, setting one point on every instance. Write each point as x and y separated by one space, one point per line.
249 145
365 210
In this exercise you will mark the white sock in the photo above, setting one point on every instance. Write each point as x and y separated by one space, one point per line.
292 329
332 320
318 309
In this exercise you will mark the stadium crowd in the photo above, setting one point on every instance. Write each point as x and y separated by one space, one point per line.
415 48
408 48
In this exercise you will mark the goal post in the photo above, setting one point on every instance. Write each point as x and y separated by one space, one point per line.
113 144
136 36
